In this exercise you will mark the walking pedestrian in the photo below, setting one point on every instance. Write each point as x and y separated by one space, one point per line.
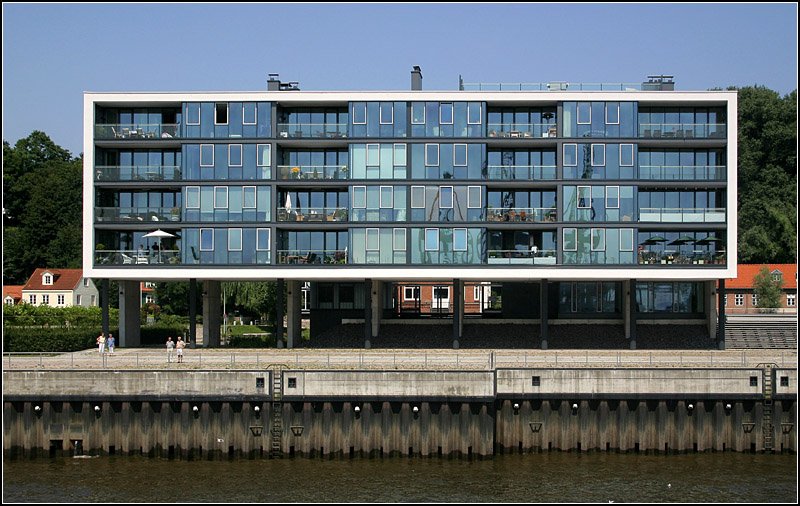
180 345
170 347
110 343
101 343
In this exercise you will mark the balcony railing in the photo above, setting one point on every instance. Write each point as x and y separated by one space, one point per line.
136 214
697 257
312 130
682 130
312 214
681 215
523 257
552 86
524 172
522 214
136 131
312 257
136 257
312 172
521 130
683 172
137 173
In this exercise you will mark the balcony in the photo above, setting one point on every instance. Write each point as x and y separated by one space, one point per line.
696 257
681 215
315 214
682 130
683 172
521 130
107 257
522 172
136 214
105 173
136 131
521 257
312 130
522 214
312 257
312 172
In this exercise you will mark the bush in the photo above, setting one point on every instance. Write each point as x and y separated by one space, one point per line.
252 341
40 339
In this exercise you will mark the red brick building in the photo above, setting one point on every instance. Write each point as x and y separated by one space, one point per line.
741 299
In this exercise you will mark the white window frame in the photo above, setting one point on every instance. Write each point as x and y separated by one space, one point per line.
394 239
622 245
46 298
255 113
418 188
466 239
32 298
754 299
725 300
200 237
215 197
376 239
380 114
564 241
452 113
790 299
85 281
578 198
390 205
621 158
233 247
466 151
377 149
395 147
438 242
578 113
244 199
428 162
738 299
213 149
607 204
593 164
241 155
258 231
470 203
441 197
440 287
189 118
258 155
355 201
189 200
476 293
480 113
415 290
148 299
47 279
365 114
424 112
608 122
60 299
227 113
591 238
564 154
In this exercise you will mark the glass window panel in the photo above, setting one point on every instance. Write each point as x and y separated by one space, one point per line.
584 113
626 239
235 155
474 113
417 197
220 197
612 197
418 113
373 155
399 239
359 197
386 113
570 239
192 197
206 155
372 239
474 197
235 239
612 113
264 155
399 154
386 197
193 113
459 155
262 239
598 239
459 239
206 239
249 197
431 239
431 154
570 155
598 155
249 113
446 197
221 114
584 197
446 113
626 155
359 113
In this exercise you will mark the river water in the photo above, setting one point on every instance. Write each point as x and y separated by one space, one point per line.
546 477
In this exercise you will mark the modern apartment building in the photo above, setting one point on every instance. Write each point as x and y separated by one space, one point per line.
561 202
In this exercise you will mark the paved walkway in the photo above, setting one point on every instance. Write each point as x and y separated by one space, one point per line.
434 359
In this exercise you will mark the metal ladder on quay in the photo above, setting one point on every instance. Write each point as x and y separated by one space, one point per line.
768 429
276 428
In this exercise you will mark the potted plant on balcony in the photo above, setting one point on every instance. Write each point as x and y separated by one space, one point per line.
295 172
175 214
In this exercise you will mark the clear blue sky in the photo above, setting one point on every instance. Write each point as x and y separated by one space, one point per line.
52 53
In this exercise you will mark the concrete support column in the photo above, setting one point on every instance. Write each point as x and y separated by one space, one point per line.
377 307
543 310
367 313
130 301
626 307
711 309
294 303
212 317
721 302
104 303
279 305
192 337
632 315
458 311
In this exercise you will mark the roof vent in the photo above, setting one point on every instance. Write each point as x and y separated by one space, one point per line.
416 78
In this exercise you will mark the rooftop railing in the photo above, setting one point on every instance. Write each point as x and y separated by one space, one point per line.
551 86
136 131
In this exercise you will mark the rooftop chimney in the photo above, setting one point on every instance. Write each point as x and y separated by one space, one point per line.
273 83
416 78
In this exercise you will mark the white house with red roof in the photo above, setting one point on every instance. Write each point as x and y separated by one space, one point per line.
12 294
60 288
740 298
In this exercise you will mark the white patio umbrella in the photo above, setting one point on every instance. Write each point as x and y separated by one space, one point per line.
288 205
159 233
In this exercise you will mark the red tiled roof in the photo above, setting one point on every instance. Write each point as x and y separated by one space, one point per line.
746 273
63 279
14 291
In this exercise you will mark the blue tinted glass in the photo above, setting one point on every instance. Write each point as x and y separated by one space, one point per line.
206 239
431 239
570 154
584 113
446 113
460 239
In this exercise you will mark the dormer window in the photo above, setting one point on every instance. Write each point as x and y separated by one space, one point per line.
776 275
47 279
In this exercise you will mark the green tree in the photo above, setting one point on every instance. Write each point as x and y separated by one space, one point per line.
251 298
767 290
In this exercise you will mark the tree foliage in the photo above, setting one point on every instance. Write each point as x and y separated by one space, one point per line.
767 290
255 299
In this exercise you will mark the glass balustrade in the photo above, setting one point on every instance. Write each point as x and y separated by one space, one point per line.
675 257
682 130
137 173
312 257
136 131
524 172
522 214
524 257
312 171
137 214
312 130
521 130
683 172
108 257
312 214
681 215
